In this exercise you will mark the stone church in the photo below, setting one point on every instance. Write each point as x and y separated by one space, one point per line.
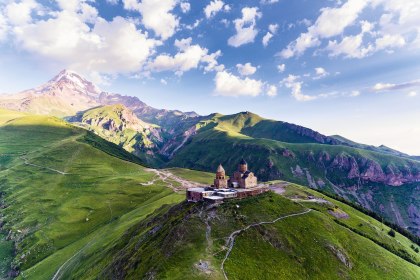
242 178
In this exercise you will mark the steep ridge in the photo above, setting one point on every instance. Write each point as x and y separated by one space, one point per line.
354 171
369 178
120 125
269 236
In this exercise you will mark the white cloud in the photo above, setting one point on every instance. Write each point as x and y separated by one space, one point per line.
246 69
398 26
156 15
189 57
214 7
292 82
389 86
163 82
64 38
267 2
299 46
350 47
20 13
412 94
185 7
228 84
194 25
382 87
295 84
112 2
354 93
389 41
272 90
273 28
281 67
331 22
245 27
266 39
320 73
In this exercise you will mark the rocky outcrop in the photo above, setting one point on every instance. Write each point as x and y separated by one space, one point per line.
371 170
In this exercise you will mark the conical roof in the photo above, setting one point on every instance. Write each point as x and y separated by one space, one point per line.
220 168
243 162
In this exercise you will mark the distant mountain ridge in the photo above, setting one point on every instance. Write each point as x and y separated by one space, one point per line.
379 178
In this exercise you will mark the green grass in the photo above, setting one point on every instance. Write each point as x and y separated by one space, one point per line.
226 139
6 256
205 178
170 243
51 215
357 222
99 221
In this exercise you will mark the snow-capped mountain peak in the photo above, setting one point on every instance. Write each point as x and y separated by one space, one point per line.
68 79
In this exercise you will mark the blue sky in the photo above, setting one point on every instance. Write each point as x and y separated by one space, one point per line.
348 67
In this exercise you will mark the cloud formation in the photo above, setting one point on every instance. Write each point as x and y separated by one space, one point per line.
246 69
228 84
188 57
156 15
245 27
214 7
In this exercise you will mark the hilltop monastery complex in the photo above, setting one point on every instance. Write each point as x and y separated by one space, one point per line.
242 184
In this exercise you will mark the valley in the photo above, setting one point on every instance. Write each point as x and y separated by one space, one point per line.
101 194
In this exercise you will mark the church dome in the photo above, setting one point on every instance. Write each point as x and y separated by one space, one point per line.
243 162
220 168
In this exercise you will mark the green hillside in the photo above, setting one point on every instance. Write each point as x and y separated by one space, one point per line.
119 125
65 190
190 241
79 207
372 179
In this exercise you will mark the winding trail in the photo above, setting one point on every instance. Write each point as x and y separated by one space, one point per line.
57 275
231 239
165 175
26 161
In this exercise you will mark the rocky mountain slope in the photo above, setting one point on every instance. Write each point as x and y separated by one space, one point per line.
386 184
78 207
379 178
119 125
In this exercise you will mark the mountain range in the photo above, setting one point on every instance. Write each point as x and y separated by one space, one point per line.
79 198
380 179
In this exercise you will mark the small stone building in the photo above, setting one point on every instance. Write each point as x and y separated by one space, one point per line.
243 178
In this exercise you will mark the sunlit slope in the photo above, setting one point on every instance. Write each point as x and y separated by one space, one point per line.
66 190
189 241
380 182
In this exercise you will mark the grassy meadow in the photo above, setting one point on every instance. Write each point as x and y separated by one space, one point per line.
67 191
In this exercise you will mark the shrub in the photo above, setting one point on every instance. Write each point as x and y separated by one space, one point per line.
391 233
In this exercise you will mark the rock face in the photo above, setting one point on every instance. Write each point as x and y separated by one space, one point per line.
370 170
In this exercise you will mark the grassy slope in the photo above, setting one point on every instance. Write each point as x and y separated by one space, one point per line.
222 141
138 142
194 175
51 215
171 243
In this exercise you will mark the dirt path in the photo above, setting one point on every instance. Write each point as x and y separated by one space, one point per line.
26 161
165 176
231 239
279 188
57 275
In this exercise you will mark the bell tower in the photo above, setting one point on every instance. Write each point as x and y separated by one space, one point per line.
220 182
243 166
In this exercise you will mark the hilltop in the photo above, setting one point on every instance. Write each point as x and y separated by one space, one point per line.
78 206
378 178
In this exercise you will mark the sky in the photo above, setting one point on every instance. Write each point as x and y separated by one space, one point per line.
347 67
